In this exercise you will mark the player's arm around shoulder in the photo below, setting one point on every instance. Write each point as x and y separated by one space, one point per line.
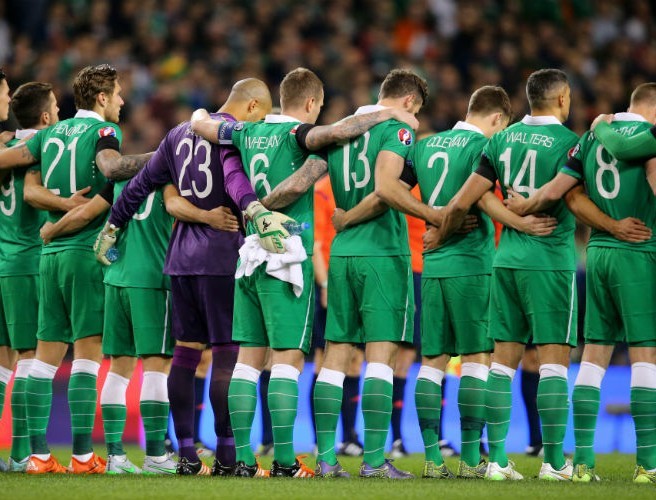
297 184
17 156
354 126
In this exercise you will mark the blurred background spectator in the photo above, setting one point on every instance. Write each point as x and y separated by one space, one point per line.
176 55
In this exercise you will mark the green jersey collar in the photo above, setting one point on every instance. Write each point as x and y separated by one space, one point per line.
628 117
369 108
280 119
467 126
87 113
23 133
540 120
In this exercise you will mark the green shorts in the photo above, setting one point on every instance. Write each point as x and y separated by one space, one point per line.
454 315
268 313
620 296
19 310
137 322
533 304
71 296
370 299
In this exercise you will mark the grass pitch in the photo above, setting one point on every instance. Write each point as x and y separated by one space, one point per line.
615 469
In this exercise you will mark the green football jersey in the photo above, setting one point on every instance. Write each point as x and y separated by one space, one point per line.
67 156
525 156
142 245
20 243
270 154
351 169
442 164
618 188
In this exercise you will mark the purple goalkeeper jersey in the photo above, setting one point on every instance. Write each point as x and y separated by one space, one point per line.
206 175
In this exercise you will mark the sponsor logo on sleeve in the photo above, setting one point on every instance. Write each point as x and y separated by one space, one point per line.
574 151
107 132
405 136
239 126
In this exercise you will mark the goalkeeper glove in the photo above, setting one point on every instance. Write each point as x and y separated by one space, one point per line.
104 242
268 226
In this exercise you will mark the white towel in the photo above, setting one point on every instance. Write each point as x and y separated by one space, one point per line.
284 266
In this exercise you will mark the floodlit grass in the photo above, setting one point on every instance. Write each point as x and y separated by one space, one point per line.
615 469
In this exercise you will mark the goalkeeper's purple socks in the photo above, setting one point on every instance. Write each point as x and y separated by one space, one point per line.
181 397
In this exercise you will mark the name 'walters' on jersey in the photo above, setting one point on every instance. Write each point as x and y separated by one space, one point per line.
525 156
67 155
618 188
20 243
351 169
142 245
442 163
270 153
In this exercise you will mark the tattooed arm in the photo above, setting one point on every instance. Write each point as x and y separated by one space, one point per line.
294 186
353 126
17 156
118 167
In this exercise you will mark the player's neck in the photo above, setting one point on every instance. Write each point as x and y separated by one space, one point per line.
647 112
555 112
98 110
297 113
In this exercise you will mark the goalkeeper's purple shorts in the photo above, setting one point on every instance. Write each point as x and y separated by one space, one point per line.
202 308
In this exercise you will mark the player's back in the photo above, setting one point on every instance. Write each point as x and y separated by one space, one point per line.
196 167
526 156
20 244
442 164
270 153
142 245
67 155
351 168
620 189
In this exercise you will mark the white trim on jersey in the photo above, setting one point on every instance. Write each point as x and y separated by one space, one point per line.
369 108
467 126
628 117
280 119
87 113
540 120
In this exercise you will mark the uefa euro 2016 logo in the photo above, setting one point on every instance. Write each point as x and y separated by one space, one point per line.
405 136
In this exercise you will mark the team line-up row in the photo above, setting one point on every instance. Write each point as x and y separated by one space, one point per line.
166 294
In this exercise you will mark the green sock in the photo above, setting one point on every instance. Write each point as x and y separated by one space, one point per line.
471 403
377 414
327 407
643 407
552 408
428 400
498 402
242 398
155 416
114 416
585 403
82 396
283 403
20 441
38 400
